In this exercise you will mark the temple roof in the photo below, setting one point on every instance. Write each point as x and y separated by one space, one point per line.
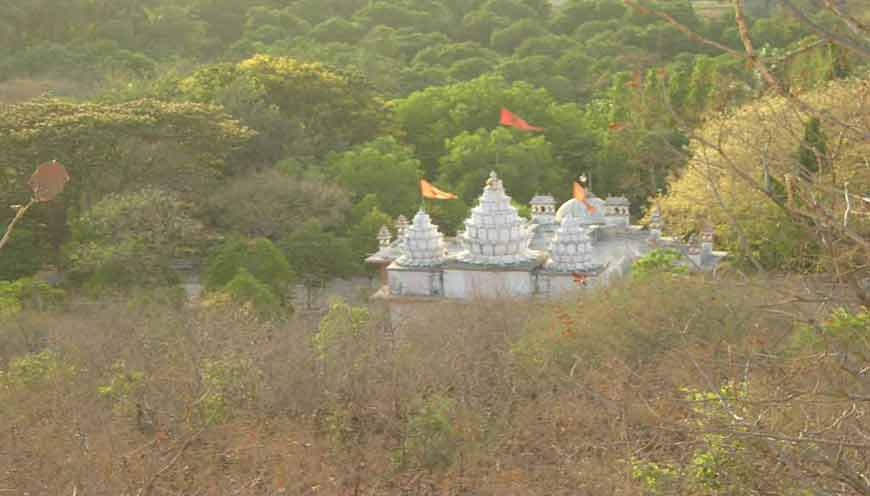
385 255
617 201
543 200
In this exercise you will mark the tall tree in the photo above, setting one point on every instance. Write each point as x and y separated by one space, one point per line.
383 167
130 239
335 109
115 148
813 151
525 164
316 256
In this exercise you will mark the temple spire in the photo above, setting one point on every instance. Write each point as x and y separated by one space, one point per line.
423 244
571 248
401 226
384 237
495 234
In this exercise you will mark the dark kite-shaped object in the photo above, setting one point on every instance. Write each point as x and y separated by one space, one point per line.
48 181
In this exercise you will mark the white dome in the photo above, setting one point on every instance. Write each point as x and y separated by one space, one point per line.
576 209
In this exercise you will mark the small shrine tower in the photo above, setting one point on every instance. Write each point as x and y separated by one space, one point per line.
616 211
543 209
417 272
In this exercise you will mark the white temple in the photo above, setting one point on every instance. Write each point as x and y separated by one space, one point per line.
499 254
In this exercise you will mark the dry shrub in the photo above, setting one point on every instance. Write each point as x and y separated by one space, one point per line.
679 385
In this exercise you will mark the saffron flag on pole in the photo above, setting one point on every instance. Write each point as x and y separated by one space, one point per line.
512 120
433 193
581 196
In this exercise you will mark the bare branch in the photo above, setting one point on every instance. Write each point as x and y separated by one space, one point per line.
854 25
832 37
797 51
755 61
146 490
684 29
18 216
848 205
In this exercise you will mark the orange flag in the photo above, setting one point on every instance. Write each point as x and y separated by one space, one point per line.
510 119
433 193
580 195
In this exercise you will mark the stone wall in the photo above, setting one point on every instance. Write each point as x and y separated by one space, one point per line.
471 284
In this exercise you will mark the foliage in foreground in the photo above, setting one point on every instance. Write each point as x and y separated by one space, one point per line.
660 386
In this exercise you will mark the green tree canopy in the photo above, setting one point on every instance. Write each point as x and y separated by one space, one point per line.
431 117
508 39
108 148
23 255
525 164
363 235
260 258
246 289
336 109
382 167
272 204
317 255
129 239
761 139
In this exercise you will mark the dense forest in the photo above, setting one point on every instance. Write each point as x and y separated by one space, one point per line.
268 141
262 116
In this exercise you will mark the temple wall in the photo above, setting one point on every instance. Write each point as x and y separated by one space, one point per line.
556 284
415 283
619 251
617 221
471 284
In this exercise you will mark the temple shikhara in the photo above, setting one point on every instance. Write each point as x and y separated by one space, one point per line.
584 243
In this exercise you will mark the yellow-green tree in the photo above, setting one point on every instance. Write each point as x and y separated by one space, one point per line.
742 177
335 108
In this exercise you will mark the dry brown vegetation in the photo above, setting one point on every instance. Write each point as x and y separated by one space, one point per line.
673 385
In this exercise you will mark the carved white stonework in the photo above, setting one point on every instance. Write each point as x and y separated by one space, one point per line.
543 209
617 211
497 254
384 237
656 225
495 234
423 244
401 226
571 248
707 235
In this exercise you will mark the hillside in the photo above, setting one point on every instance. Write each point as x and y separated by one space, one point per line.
254 153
